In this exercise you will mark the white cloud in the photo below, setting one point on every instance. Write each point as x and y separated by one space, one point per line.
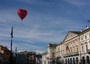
39 51
37 27
78 2
39 31
28 47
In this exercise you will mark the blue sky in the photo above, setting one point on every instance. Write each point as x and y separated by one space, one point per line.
48 21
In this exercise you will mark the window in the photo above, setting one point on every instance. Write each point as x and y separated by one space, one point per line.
89 35
83 60
77 49
58 49
71 49
86 47
85 37
81 38
73 60
87 59
82 48
85 42
66 61
53 54
77 60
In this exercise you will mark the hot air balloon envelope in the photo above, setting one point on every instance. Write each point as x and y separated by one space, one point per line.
21 13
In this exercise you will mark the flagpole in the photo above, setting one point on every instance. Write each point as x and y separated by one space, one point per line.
11 46
11 38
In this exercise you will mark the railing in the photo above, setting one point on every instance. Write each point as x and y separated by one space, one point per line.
88 51
71 54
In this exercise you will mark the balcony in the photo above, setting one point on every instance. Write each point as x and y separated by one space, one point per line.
71 54
88 51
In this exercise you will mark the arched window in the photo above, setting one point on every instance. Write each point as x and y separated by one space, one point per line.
65 61
83 60
76 60
87 58
70 60
73 60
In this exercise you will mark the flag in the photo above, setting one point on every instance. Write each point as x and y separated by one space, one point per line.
11 32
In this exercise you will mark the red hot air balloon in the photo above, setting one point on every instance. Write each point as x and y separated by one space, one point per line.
21 13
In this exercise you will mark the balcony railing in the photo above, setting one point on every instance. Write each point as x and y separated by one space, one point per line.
71 54
88 51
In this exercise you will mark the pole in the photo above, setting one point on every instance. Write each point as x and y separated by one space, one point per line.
11 52
11 38
11 45
11 56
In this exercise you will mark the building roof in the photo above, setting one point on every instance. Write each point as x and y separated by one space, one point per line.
76 32
84 31
60 43
5 48
81 32
52 45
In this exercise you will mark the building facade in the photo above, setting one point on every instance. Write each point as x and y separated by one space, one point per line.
85 46
38 59
4 55
74 49
26 57
58 54
45 58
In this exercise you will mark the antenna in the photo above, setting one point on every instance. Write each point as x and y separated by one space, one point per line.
16 49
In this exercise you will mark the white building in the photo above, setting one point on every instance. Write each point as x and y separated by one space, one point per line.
45 58
74 49
85 46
